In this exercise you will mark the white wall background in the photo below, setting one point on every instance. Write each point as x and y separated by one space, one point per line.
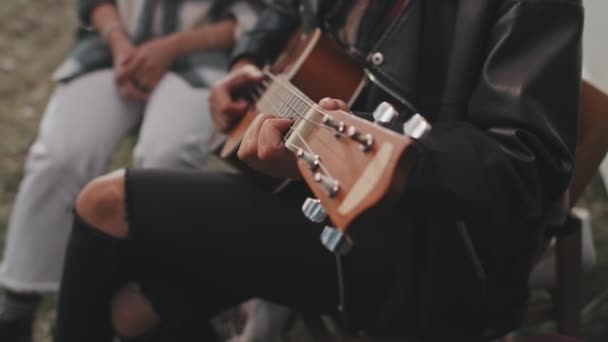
595 41
595 52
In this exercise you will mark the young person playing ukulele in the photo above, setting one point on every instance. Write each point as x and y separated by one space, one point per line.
499 81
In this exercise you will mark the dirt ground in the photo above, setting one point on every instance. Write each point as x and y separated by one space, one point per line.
35 35
34 38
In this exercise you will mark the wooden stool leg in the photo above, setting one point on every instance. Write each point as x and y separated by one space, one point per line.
569 282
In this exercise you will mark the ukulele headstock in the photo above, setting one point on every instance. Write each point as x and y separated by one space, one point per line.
351 165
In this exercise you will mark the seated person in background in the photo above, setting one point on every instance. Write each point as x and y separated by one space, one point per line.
500 82
146 64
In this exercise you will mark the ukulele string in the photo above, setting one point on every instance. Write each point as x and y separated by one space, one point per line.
258 92
295 91
306 146
257 97
341 294
290 107
321 139
302 106
291 89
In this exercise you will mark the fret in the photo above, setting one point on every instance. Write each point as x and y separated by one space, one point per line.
286 100
302 107
263 104
295 101
289 100
278 105
275 102
298 106
272 96
264 98
283 108
260 103
275 110
282 99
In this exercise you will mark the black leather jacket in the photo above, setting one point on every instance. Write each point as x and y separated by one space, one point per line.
500 80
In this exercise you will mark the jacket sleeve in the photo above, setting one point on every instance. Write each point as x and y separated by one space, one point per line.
274 26
512 157
85 7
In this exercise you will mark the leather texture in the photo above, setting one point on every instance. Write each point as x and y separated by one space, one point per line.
500 81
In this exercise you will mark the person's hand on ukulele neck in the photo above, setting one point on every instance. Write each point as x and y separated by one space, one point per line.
263 148
225 107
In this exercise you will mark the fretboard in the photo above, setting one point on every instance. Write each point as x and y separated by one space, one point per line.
283 99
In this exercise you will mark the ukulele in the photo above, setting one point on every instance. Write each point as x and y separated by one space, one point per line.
352 165
314 64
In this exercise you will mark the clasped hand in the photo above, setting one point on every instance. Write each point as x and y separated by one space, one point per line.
138 70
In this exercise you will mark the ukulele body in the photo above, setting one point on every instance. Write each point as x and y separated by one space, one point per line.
318 67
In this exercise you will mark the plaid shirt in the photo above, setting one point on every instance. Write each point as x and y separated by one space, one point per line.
200 69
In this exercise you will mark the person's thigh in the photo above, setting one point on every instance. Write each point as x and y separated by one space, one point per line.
87 117
235 240
208 241
176 127
84 121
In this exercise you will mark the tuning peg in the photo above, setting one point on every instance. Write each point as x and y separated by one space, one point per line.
313 210
336 241
416 127
330 185
384 114
312 160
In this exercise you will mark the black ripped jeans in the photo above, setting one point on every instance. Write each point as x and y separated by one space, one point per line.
201 242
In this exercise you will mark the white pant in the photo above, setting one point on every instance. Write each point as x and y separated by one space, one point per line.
83 124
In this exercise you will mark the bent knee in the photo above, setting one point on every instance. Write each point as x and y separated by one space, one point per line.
132 313
101 204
